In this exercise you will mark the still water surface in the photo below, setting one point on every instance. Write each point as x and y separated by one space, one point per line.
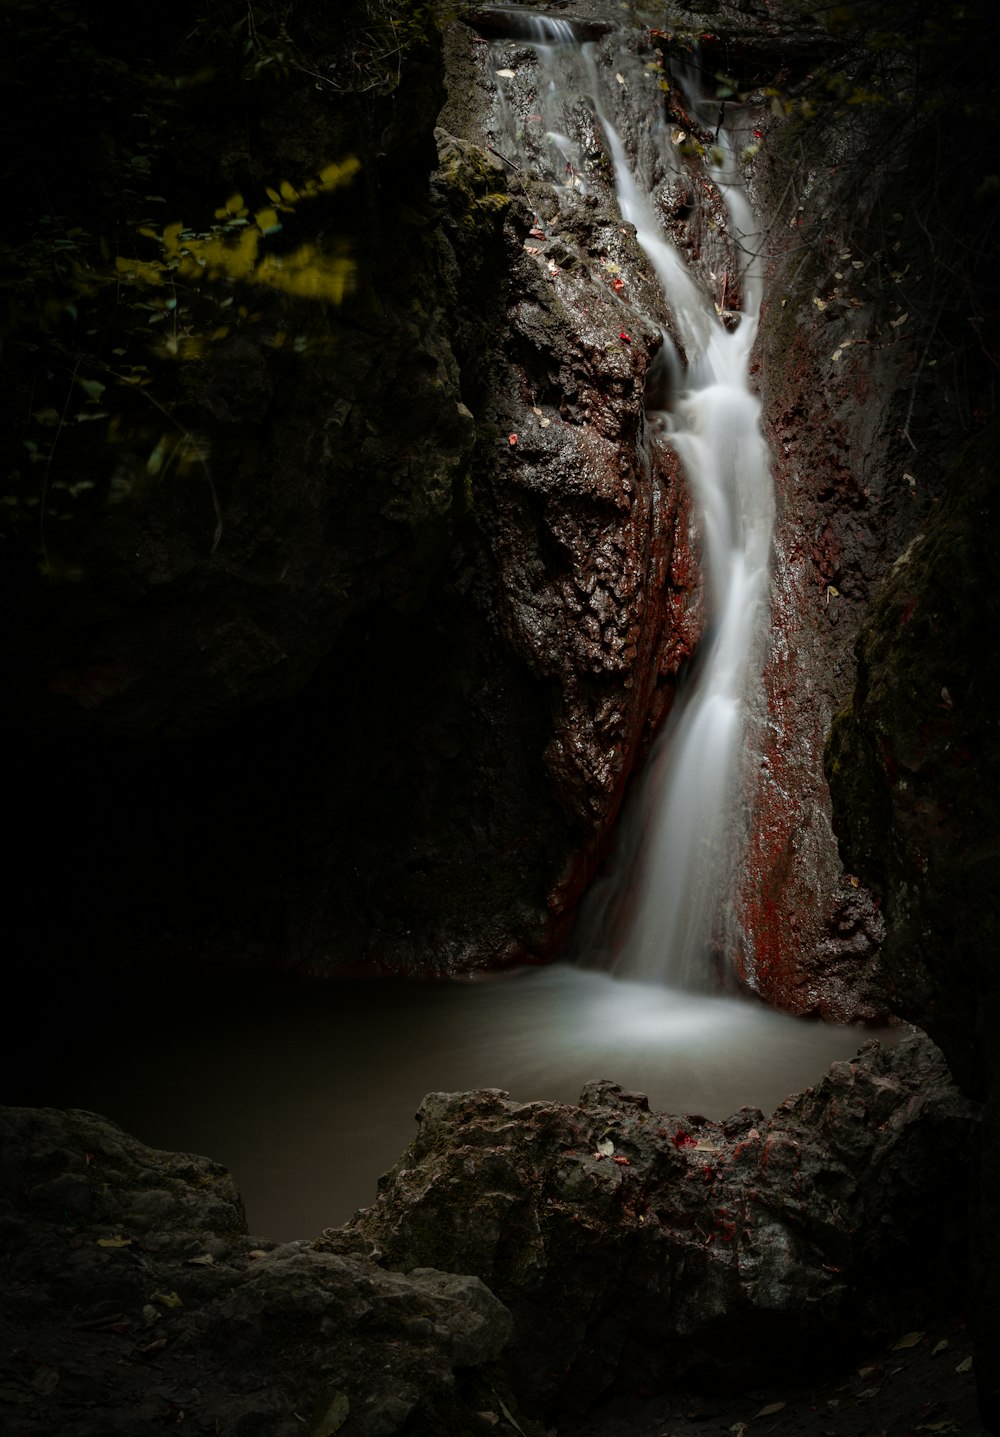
308 1093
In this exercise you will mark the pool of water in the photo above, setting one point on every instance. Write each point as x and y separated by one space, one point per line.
307 1093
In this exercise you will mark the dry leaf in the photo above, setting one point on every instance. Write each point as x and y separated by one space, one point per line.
114 1241
770 1409
909 1340
507 74
167 1299
965 1366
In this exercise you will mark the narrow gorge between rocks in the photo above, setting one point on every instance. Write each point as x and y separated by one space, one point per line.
500 630
665 1029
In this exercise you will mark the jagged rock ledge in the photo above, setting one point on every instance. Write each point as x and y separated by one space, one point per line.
519 1261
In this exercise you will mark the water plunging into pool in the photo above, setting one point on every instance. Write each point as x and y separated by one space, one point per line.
307 1096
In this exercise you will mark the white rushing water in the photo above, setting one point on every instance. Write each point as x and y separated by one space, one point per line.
309 1094
656 915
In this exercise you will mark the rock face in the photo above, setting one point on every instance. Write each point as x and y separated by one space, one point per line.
539 1253
634 1249
914 769
370 678
133 1297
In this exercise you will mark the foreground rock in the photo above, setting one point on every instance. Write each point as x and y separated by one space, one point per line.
634 1249
552 1254
133 1297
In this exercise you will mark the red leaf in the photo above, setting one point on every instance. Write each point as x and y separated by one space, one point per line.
622 1162
617 285
681 1139
625 338
512 440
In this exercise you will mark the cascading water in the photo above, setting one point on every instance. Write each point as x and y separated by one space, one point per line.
308 1096
654 918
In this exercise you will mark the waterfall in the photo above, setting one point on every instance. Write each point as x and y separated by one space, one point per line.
658 913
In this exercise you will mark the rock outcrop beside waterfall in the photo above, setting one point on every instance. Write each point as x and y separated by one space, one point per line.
385 718
535 1254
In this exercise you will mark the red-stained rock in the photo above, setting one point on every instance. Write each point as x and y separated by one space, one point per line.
721 1249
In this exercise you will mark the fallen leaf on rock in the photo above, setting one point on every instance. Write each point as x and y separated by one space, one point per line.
149 1315
329 1415
536 233
623 1162
118 1241
868 1393
820 303
605 1147
910 1339
205 1259
617 285
625 338
544 423
895 323
256 1253
940 1346
512 440
532 249
507 74
770 1409
508 1414
167 1299
619 77
965 1366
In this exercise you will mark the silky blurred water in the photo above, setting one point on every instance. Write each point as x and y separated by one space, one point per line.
307 1092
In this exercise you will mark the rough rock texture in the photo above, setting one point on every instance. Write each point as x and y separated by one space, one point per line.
132 1298
367 680
914 766
832 374
635 1249
552 1254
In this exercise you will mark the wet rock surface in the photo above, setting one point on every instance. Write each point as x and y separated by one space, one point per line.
134 1299
538 1254
371 678
635 1249
914 766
